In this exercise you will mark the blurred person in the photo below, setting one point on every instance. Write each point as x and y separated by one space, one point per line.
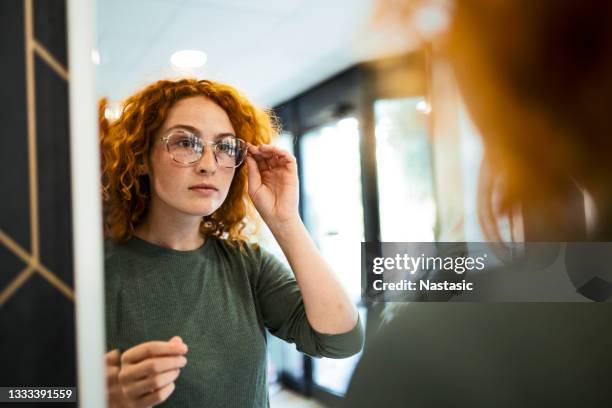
188 297
536 78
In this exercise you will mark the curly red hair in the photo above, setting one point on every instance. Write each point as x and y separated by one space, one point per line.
126 143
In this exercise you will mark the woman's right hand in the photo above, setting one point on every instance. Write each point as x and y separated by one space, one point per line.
146 374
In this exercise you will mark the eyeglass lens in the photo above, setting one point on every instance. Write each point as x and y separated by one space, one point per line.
188 148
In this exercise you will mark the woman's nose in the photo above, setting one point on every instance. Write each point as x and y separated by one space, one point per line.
207 163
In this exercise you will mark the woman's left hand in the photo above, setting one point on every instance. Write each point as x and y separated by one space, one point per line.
273 183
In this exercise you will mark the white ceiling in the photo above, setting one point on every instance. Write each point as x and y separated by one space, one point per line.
269 49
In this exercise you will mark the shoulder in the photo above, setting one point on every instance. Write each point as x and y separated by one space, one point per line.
112 251
119 257
243 250
238 254
235 249
109 247
250 256
112 260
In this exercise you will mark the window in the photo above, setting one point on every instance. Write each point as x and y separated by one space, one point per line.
404 170
333 213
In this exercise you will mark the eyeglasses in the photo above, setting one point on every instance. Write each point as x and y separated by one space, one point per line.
187 148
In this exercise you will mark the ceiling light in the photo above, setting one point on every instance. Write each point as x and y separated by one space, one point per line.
423 107
95 56
188 59
349 123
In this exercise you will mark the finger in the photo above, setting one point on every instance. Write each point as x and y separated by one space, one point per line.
261 151
263 163
150 384
270 163
274 149
286 156
259 155
158 396
282 161
258 158
254 177
113 357
151 366
152 349
252 149
255 152
112 373
268 152
115 396
269 157
283 156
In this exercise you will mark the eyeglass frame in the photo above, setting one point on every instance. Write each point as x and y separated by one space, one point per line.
212 144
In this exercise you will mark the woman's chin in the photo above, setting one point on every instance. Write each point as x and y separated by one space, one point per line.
201 211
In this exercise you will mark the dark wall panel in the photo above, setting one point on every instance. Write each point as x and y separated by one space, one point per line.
50 27
11 266
15 213
38 328
53 171
37 310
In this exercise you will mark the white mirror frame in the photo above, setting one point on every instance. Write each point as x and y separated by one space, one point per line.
86 205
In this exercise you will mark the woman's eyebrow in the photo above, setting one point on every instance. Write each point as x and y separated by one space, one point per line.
186 127
224 134
197 132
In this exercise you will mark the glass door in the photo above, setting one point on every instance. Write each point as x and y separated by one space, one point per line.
283 358
406 198
333 213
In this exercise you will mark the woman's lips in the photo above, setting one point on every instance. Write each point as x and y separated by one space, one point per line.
205 191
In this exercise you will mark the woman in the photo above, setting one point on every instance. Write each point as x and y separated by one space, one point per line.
187 298
535 76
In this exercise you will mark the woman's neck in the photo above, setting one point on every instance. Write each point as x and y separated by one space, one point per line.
170 229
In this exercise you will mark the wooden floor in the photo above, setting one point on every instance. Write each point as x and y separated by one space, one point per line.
289 399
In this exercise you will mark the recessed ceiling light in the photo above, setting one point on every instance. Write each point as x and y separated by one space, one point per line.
423 107
113 111
95 56
188 59
432 19
349 123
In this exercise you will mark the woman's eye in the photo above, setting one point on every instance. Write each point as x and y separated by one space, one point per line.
184 143
227 147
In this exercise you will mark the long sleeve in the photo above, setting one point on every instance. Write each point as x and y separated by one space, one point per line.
214 299
282 307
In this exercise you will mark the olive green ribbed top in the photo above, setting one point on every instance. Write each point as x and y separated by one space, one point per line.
220 300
